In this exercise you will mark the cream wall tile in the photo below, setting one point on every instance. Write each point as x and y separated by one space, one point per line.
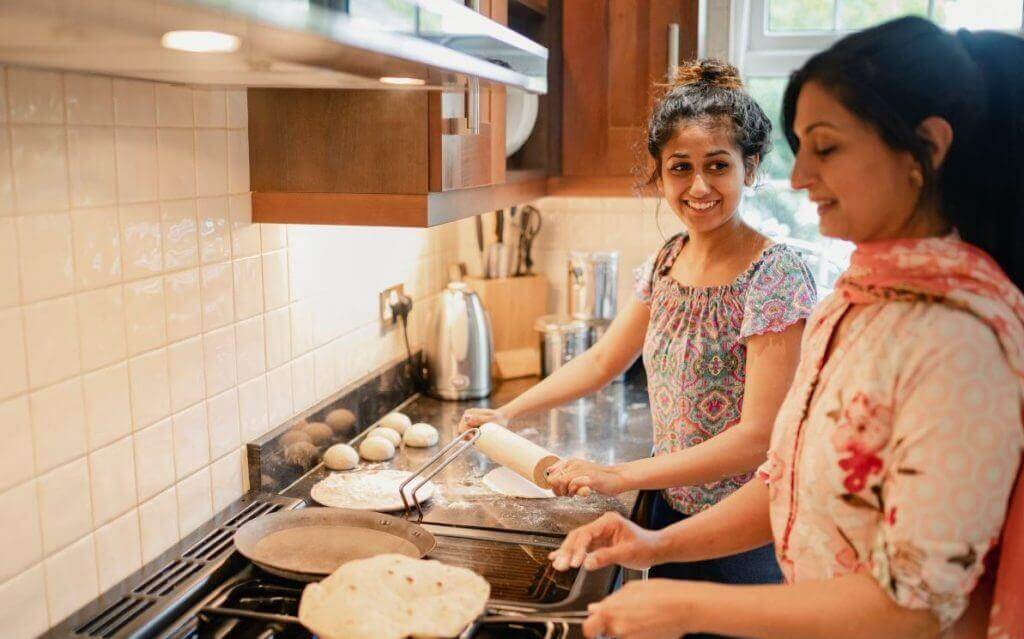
174 106
36 97
222 417
326 372
238 161
279 395
3 94
6 173
23 613
92 163
184 305
71 579
277 325
10 289
21 532
141 251
154 459
245 236
302 327
134 103
58 424
108 410
275 279
13 375
118 549
112 473
248 275
101 325
195 501
16 457
303 382
252 408
211 107
250 349
191 440
65 507
273 236
226 476
97 246
151 397
188 384
217 295
46 266
211 162
51 338
238 109
214 234
181 233
158 524
177 160
137 171
219 354
146 315
88 99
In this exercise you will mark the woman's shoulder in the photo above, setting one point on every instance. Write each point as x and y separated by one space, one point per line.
782 258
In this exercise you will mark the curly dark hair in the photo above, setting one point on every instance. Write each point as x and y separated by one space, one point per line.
709 91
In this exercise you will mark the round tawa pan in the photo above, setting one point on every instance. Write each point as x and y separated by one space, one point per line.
309 544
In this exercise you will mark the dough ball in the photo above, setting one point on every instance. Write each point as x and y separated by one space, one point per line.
301 454
420 436
391 435
294 437
396 422
319 432
376 449
341 457
340 420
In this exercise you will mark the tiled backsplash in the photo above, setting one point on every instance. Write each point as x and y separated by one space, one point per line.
148 329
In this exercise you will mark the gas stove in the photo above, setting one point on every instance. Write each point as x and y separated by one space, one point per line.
208 590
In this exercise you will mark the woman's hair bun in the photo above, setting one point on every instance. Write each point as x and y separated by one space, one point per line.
707 72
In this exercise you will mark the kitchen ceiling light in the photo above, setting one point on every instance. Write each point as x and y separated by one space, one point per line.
201 41
405 81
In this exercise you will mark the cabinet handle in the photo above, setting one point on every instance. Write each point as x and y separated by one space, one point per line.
473 108
673 50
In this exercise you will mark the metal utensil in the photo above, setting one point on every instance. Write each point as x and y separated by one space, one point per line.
309 544
530 223
480 244
498 253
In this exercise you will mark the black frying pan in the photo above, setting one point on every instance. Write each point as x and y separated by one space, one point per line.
309 544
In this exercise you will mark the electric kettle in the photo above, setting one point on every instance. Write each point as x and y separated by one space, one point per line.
458 349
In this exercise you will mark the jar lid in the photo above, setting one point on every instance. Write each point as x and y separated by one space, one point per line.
559 324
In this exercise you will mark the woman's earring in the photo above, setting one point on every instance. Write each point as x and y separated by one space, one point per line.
917 178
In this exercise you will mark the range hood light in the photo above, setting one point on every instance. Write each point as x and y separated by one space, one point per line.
406 81
201 41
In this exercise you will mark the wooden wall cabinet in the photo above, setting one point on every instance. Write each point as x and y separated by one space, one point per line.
613 52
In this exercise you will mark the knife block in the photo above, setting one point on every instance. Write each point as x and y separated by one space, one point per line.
514 304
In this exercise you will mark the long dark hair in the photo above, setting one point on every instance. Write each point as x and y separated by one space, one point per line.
897 74
708 91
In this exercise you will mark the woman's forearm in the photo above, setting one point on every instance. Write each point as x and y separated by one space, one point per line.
736 524
738 450
849 607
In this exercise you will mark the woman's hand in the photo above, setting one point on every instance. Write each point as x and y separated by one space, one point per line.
654 609
474 417
609 539
569 476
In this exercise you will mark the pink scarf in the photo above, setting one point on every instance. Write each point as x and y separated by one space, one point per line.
953 272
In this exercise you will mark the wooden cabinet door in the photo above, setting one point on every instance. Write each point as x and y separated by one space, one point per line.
613 53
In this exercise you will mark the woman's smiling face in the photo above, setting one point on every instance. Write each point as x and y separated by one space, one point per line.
703 175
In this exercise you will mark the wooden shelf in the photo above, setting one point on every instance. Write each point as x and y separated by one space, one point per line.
386 209
614 186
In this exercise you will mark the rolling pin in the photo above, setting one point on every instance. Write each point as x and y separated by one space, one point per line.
519 455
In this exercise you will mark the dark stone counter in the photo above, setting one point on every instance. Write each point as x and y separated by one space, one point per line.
611 426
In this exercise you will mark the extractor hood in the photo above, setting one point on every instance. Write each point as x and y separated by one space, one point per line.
283 43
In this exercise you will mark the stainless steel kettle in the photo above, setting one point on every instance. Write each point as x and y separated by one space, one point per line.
458 349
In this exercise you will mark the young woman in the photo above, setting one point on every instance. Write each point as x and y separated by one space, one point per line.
718 315
896 450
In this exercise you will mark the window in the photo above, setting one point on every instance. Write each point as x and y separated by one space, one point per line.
771 38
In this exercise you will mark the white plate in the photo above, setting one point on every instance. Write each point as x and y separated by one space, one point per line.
506 482
369 490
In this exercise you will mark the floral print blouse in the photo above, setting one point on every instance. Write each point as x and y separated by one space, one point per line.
897 459
695 349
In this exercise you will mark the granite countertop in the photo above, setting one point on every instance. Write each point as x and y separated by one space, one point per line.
610 426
